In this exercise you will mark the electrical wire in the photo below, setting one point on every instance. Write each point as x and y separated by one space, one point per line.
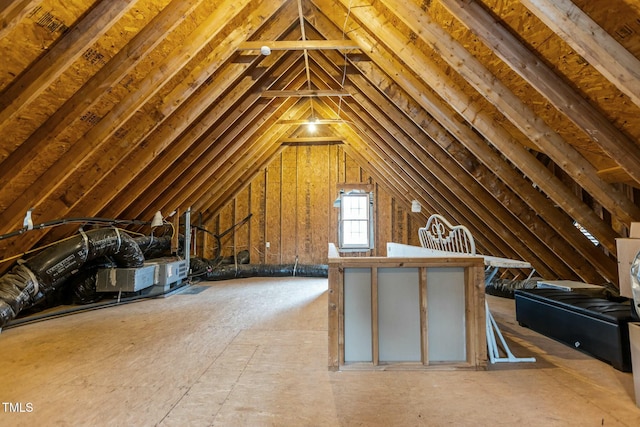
38 249
66 221
219 237
344 71
34 250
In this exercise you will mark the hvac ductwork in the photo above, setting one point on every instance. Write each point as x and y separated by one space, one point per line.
31 281
73 262
230 271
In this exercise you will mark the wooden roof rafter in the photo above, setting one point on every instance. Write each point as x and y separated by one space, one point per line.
601 131
264 146
575 27
98 86
397 145
377 148
516 111
434 125
217 155
402 139
509 175
174 142
245 91
62 54
456 99
538 205
548 244
55 177
209 109
12 12
218 144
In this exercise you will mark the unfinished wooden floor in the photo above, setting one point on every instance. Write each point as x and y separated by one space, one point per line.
253 352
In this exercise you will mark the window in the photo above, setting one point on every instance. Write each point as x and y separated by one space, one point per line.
355 221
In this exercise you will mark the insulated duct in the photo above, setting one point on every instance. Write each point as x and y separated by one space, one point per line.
155 247
30 281
231 271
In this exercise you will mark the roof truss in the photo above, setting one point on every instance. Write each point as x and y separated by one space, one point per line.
425 96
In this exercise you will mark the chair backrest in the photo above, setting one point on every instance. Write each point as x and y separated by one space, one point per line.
440 235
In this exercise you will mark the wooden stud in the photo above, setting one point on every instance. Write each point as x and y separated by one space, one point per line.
375 324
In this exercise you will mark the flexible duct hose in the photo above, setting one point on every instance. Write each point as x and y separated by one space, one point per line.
30 281
155 247
226 272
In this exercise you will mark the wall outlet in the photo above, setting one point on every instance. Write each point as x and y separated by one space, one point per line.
268 245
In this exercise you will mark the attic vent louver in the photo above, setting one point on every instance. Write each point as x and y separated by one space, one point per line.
586 233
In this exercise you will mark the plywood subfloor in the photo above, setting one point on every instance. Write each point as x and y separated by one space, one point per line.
253 352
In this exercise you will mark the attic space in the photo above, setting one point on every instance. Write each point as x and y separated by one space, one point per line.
121 109
197 140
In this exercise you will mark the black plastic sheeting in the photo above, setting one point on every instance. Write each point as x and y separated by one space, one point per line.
81 288
239 267
29 282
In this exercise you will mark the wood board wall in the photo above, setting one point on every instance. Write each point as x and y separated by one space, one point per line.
291 203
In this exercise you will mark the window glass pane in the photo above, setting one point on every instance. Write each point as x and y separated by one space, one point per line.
355 221
355 232
355 206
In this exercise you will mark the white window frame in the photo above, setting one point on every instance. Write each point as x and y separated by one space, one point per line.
346 218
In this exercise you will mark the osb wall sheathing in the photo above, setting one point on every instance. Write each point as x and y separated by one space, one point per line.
47 20
291 203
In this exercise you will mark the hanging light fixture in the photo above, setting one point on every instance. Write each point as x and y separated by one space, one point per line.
312 125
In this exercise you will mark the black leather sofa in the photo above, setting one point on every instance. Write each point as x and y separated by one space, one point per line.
596 326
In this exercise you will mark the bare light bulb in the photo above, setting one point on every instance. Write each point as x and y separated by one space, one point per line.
312 124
